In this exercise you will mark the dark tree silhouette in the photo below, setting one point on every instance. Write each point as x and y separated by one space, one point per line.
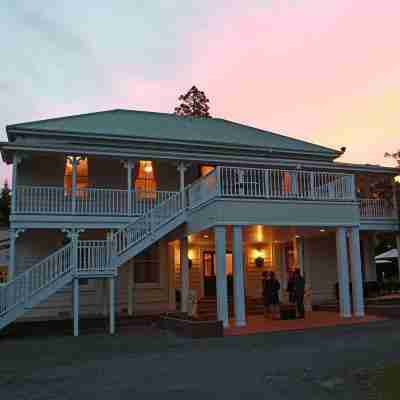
194 104
395 156
5 204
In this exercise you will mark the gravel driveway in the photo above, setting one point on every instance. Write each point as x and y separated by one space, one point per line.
326 363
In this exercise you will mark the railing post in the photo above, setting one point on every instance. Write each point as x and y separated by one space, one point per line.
16 161
219 181
182 168
312 185
353 187
129 165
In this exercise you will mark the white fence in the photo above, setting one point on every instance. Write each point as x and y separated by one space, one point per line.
56 200
285 184
376 208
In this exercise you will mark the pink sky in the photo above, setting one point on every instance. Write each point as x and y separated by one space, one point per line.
323 71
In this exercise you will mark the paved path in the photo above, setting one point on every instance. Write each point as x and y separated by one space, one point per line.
327 363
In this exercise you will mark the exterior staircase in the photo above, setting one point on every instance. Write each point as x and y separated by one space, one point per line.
99 258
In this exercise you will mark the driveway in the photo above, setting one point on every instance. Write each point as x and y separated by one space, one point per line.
326 363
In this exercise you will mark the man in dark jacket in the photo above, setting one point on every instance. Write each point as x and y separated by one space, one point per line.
299 287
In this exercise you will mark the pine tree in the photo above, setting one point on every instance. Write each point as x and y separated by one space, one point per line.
194 104
5 204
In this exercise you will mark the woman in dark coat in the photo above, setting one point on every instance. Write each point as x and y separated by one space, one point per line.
271 296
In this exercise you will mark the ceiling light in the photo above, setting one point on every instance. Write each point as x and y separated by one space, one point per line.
205 236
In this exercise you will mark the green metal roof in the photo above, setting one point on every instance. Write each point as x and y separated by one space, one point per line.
169 127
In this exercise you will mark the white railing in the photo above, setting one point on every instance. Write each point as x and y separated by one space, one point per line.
285 184
376 208
202 190
36 278
89 201
143 202
101 202
147 223
94 256
42 200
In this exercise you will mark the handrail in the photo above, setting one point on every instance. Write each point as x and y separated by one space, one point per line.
36 278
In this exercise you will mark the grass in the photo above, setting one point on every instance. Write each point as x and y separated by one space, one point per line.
388 382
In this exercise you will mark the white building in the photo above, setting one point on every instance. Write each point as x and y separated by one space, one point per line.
113 211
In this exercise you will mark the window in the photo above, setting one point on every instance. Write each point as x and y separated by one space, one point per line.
206 169
145 182
82 175
147 266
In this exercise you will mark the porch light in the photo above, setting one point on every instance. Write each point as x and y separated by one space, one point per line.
322 230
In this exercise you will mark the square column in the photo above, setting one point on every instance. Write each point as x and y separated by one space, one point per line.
112 305
343 272
131 286
356 272
75 305
222 292
184 261
238 277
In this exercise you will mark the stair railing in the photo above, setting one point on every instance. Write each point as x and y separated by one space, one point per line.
20 289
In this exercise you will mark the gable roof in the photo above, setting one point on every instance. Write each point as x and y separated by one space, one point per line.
169 127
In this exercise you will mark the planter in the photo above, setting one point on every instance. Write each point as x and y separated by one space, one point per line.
193 328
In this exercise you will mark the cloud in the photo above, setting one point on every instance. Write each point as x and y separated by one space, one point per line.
54 31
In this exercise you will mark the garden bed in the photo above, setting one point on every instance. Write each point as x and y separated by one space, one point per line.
183 325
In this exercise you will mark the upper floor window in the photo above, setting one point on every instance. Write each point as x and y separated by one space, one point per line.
145 182
82 175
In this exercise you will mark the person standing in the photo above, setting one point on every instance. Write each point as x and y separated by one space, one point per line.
299 288
265 292
274 293
290 288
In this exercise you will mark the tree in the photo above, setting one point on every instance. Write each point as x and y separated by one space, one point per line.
194 104
5 204
395 156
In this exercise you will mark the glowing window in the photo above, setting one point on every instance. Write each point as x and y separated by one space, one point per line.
82 175
206 169
145 182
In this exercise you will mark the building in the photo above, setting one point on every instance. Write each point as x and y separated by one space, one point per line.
113 211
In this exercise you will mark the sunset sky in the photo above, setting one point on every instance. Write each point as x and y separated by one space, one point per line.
323 71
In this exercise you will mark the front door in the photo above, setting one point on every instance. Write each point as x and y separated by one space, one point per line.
210 281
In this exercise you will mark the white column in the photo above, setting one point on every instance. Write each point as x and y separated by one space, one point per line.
238 276
356 272
75 301
184 261
343 272
182 168
104 290
131 284
222 292
130 169
12 255
16 161
74 162
368 248
12 263
112 305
